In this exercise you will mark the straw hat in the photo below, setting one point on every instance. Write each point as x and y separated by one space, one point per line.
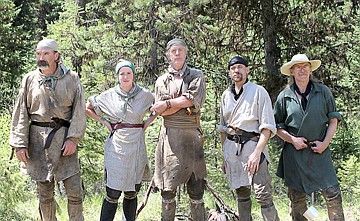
299 58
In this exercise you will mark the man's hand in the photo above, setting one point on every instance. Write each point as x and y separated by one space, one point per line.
319 147
253 162
68 148
22 155
159 107
299 143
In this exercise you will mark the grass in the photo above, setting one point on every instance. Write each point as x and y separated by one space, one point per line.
92 208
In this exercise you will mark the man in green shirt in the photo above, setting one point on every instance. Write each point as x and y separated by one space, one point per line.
306 119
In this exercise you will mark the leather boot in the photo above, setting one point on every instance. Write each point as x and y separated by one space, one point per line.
197 210
297 204
108 211
75 211
269 213
168 210
333 200
244 209
129 209
48 210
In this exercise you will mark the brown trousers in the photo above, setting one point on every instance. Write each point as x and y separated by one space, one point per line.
332 196
74 192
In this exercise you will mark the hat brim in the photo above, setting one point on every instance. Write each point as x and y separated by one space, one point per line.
285 69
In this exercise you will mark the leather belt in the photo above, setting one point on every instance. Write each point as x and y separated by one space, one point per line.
56 124
126 125
242 137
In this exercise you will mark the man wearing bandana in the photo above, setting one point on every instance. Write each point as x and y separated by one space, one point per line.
48 122
306 119
179 157
246 124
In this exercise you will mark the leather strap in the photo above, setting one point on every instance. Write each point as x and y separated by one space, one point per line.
56 124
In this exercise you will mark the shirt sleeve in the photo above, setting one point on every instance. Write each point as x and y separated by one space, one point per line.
266 114
331 105
78 120
196 91
279 112
19 133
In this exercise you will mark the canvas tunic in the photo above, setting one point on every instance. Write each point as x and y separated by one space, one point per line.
38 101
125 157
303 170
180 152
252 112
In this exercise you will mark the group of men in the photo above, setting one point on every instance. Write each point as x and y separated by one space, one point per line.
49 121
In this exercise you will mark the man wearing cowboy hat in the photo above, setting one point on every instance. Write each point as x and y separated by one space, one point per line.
48 122
306 119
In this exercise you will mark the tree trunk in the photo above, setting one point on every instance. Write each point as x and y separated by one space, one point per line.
274 81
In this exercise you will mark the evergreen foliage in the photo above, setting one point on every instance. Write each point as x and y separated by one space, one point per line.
94 35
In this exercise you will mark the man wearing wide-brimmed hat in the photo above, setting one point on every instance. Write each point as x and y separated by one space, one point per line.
47 124
306 119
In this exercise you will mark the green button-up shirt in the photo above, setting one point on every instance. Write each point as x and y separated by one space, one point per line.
305 170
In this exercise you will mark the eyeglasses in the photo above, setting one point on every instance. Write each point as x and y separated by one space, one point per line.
298 68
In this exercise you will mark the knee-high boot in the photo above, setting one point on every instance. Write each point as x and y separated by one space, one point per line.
75 211
198 210
129 209
269 213
333 200
244 209
168 210
48 210
108 211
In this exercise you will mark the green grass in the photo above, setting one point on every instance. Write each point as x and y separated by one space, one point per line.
92 207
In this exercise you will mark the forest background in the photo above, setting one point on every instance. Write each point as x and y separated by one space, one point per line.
94 34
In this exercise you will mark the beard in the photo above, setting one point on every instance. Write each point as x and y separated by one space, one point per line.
238 78
42 65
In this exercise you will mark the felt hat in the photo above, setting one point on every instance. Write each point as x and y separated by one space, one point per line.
176 41
47 44
299 58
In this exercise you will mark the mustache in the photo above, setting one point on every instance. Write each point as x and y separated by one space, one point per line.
42 63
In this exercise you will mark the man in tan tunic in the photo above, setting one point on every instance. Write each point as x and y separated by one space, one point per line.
47 124
246 124
179 158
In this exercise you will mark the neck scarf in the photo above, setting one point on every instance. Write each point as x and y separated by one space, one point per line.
303 95
50 81
127 96
179 72
237 95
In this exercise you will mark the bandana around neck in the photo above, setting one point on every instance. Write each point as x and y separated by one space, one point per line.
50 81
127 96
179 72
303 95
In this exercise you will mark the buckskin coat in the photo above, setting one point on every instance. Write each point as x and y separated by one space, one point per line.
180 152
40 102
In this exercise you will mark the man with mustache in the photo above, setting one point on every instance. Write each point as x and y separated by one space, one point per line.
246 124
47 124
